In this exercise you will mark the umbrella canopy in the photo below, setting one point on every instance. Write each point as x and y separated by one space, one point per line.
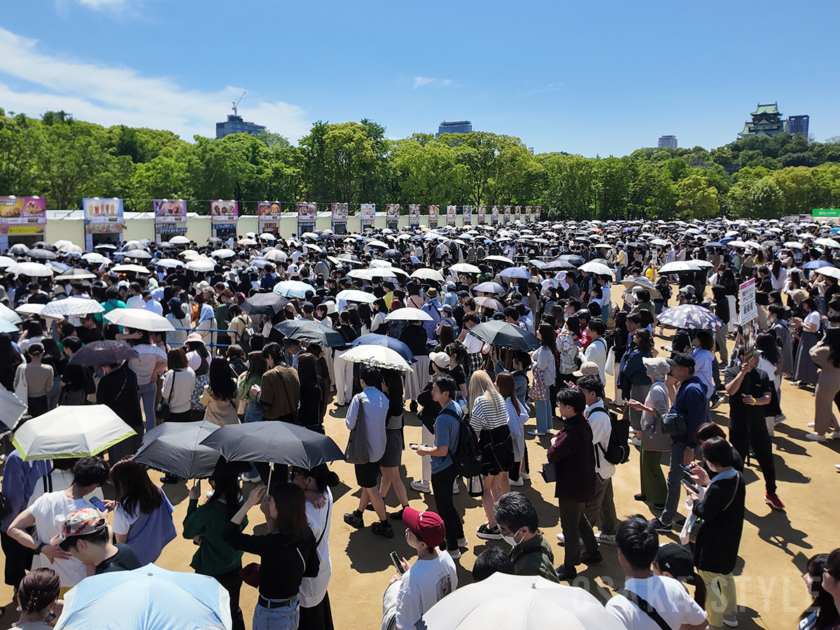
831 272
574 259
276 255
378 357
139 254
597 268
5 261
168 263
465 268
489 287
11 409
179 240
139 319
201 263
148 598
175 448
275 442
488 302
71 431
409 314
18 249
223 253
816 264
95 258
690 316
9 315
499 259
293 288
515 272
264 304
557 264
825 242
393 254
103 353
354 295
374 339
311 332
34 270
644 283
41 254
129 269
72 275
503 335
72 306
8 327
428 274
679 266
519 602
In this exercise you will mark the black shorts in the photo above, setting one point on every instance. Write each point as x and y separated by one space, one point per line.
393 449
367 475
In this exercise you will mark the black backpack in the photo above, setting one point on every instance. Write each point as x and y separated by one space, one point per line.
467 457
618 450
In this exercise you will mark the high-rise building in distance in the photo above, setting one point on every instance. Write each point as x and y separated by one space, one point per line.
667 142
235 124
461 126
798 124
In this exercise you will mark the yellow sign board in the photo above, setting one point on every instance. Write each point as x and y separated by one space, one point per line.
26 229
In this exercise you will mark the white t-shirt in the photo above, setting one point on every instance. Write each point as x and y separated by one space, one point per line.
50 511
123 520
312 590
136 301
666 595
813 318
423 586
54 481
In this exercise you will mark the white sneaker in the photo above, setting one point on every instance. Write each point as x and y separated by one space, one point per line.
463 543
815 437
455 553
517 483
525 476
837 466
562 539
730 620
419 486
634 441
455 488
835 435
811 425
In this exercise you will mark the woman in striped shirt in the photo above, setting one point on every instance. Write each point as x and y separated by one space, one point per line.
489 419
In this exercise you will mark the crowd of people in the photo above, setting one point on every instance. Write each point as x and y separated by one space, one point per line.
497 325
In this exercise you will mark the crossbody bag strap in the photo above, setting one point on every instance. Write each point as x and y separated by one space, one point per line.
647 608
326 522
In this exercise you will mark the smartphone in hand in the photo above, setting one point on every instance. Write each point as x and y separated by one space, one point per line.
395 559
414 446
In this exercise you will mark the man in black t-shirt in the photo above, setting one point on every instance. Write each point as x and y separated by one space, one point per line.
84 535
750 391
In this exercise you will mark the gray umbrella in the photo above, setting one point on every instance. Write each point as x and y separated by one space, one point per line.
275 442
103 353
311 332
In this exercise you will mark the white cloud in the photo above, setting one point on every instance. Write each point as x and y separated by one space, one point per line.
116 95
420 82
99 4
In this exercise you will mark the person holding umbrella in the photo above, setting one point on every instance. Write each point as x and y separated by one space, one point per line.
118 390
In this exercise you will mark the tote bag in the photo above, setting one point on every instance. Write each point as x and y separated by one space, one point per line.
357 445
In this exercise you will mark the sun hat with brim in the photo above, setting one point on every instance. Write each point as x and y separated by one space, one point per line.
657 367
80 523
588 368
427 526
193 337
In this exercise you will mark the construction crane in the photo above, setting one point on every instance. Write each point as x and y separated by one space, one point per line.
236 104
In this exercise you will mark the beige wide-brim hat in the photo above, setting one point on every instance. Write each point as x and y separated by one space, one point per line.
658 367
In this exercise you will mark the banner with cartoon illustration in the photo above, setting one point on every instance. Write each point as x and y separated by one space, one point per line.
368 214
392 215
529 214
538 212
517 213
482 214
468 215
222 211
451 213
170 210
434 213
340 213
307 215
507 214
494 215
268 211
414 214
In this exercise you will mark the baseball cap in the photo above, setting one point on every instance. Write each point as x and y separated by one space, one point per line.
427 526
447 308
307 307
682 359
675 559
461 294
441 359
588 368
80 523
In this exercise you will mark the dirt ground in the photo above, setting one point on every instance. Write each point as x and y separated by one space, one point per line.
774 548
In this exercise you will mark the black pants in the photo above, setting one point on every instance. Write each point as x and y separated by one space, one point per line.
744 434
318 617
232 583
552 396
442 489
19 559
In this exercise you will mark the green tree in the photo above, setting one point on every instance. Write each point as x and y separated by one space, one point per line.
72 158
22 146
696 198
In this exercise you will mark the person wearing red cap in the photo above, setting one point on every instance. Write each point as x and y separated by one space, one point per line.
429 579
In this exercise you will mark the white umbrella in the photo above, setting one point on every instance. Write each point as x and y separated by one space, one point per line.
827 242
267 237
34 270
276 255
501 259
72 306
352 295
703 264
409 314
190 253
201 264
5 261
9 315
223 253
519 602
377 356
32 309
831 272
678 266
377 244
428 274
657 241
179 240
76 275
129 268
465 268
7 327
247 241
11 408
139 254
794 245
168 263
71 249
71 431
95 258
139 319
597 268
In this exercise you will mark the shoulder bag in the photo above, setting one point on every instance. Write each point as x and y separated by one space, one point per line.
163 410
357 451
674 424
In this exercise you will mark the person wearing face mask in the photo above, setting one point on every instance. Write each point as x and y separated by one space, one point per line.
518 521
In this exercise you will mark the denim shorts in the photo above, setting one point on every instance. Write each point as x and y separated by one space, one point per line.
285 618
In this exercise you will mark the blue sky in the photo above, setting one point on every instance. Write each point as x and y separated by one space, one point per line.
602 77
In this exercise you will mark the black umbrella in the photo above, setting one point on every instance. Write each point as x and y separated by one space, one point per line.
577 261
275 442
103 353
264 304
175 448
503 335
311 332
392 253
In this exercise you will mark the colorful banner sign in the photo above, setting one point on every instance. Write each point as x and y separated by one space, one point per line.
517 213
307 212
434 213
507 214
103 211
22 229
826 213
747 310
482 214
368 214
170 229
529 214
23 211
170 210
451 213
222 211
268 210
103 228
392 215
414 214
494 215
538 211
224 230
269 226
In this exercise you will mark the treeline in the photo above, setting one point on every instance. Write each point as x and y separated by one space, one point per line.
66 160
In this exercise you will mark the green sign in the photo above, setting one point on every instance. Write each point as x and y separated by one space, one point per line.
826 213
